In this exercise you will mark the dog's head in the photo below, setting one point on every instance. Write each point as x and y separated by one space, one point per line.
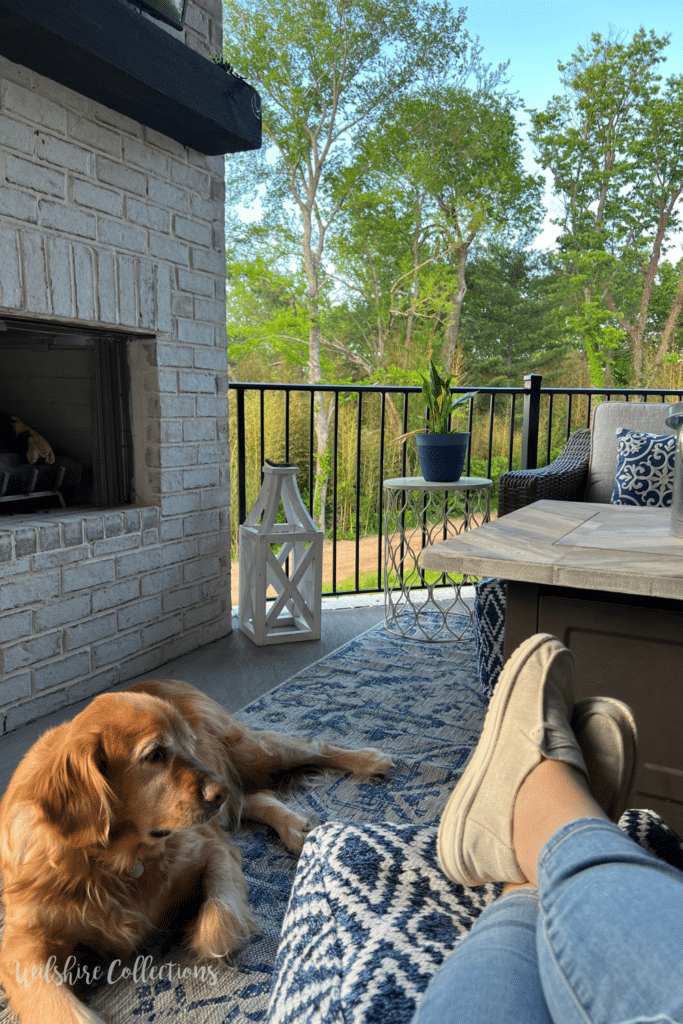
124 772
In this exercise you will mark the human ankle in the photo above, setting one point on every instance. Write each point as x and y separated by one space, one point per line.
515 886
553 794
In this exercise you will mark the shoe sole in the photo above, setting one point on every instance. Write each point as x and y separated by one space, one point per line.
611 794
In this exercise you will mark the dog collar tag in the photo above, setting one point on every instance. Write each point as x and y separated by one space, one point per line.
136 870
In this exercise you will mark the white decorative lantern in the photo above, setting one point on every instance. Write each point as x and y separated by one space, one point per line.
294 571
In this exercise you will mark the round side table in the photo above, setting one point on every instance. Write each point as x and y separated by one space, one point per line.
416 515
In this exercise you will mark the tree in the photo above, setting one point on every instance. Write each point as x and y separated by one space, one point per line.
389 269
326 72
613 144
510 317
447 173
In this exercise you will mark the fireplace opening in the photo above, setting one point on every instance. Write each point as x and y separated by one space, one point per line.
65 434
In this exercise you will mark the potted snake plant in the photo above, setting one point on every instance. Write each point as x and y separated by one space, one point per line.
441 451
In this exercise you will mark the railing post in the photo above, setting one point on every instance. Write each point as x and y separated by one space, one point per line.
531 419
241 458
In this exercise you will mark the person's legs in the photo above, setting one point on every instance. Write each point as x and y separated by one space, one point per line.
492 975
610 927
528 725
610 931
553 794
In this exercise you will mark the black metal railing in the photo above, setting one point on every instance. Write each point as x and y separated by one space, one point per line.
512 428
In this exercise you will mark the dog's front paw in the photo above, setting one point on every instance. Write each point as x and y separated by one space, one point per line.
221 929
372 761
295 833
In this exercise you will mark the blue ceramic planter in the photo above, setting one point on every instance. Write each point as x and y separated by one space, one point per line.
442 456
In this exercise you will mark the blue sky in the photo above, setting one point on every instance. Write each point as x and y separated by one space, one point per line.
535 34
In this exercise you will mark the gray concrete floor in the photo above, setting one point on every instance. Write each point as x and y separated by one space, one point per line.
233 670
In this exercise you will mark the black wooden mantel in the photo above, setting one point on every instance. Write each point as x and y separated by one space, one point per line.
106 50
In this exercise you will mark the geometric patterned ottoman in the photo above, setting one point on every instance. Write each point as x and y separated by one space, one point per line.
372 917
489 630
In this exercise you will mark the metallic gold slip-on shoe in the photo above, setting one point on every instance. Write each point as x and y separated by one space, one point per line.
605 730
527 721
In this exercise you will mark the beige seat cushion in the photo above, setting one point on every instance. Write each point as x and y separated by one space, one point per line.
648 417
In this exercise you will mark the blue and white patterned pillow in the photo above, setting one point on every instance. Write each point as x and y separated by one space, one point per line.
645 469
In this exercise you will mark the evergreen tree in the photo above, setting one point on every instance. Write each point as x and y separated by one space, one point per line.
511 319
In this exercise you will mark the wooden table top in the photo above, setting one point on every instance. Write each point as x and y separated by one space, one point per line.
616 548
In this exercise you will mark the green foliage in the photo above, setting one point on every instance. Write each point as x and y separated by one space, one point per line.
390 145
440 401
386 225
613 144
442 171
265 313
511 323
328 74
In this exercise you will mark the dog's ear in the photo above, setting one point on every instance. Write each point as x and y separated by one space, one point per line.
73 792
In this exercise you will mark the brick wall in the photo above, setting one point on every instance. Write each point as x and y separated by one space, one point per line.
106 223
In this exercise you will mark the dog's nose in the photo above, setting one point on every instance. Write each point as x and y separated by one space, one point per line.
214 793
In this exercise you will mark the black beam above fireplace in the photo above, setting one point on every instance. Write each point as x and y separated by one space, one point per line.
108 51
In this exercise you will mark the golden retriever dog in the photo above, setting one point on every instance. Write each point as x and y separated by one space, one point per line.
111 828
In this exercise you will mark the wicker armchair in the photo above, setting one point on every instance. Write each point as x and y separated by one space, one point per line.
586 468
563 480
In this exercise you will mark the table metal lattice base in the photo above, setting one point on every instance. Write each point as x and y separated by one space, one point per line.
416 515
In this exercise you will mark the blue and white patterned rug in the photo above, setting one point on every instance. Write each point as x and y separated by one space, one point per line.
420 702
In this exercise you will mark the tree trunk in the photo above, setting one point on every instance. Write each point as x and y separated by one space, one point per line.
320 421
671 321
450 339
638 331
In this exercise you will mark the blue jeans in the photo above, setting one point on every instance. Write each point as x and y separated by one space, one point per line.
599 942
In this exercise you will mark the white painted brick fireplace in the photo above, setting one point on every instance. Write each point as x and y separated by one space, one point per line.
108 225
